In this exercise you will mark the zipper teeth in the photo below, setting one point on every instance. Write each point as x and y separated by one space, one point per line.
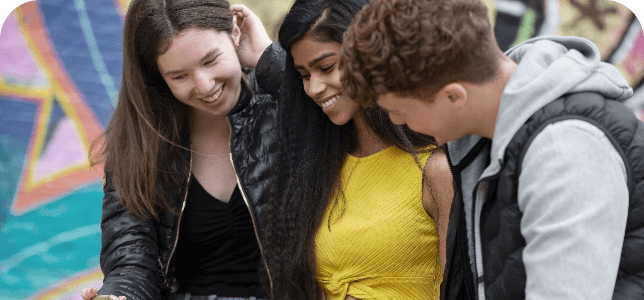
183 206
252 216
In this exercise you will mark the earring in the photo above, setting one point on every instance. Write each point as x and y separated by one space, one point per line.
237 44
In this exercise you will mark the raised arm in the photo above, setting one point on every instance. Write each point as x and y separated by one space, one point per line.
257 51
253 39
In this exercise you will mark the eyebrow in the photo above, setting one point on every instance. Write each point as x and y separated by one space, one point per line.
208 55
318 59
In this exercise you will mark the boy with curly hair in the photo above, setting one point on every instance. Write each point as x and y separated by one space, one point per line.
548 164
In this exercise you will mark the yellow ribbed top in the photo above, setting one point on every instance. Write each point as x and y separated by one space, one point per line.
378 242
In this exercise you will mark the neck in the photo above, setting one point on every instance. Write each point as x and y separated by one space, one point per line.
490 95
368 143
205 127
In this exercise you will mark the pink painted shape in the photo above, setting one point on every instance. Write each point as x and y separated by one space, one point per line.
639 113
63 150
634 60
15 58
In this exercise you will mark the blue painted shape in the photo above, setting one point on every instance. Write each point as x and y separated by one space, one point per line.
84 41
95 53
57 115
51 243
17 119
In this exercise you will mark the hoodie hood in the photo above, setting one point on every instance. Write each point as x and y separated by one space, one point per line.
548 68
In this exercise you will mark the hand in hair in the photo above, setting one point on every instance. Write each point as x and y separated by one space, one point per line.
254 39
90 294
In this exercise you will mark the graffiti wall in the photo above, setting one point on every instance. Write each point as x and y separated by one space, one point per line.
60 66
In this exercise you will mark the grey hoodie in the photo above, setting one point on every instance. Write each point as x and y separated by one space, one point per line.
572 190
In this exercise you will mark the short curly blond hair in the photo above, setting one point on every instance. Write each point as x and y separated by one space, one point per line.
416 47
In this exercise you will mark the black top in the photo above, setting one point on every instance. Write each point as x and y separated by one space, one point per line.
217 252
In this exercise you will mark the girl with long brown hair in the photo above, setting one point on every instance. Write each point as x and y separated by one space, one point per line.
187 157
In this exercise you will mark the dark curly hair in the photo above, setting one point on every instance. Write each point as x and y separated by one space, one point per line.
416 47
311 153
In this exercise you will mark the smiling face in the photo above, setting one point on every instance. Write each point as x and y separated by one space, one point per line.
317 62
202 69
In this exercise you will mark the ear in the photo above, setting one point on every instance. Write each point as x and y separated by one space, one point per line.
455 93
236 32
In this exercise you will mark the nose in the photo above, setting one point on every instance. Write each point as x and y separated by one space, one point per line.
317 86
204 83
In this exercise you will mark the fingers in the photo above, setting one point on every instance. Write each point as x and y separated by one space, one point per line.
241 10
244 13
88 293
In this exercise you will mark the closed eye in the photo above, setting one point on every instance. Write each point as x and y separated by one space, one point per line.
211 61
328 68
180 77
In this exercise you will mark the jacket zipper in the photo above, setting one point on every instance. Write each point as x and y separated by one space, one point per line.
183 206
477 246
252 216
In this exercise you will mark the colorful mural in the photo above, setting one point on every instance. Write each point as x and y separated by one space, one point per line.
59 69
60 65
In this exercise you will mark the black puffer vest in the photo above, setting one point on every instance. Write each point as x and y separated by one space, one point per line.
502 243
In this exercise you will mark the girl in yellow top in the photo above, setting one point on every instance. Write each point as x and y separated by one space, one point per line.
352 215
380 242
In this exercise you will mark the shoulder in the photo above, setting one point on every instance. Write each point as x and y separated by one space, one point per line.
437 169
573 141
438 187
564 152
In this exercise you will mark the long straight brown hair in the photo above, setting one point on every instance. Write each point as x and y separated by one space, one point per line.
141 148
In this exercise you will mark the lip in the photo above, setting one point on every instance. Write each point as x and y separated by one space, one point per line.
216 94
328 102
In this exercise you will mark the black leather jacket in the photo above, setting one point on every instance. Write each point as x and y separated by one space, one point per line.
137 257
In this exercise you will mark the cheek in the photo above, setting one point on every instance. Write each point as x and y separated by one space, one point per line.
335 79
306 85
180 91
353 109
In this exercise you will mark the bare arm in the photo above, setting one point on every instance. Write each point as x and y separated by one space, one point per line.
438 192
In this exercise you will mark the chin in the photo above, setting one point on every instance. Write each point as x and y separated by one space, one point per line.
339 120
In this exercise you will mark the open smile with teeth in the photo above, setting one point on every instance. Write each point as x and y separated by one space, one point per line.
215 95
330 102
